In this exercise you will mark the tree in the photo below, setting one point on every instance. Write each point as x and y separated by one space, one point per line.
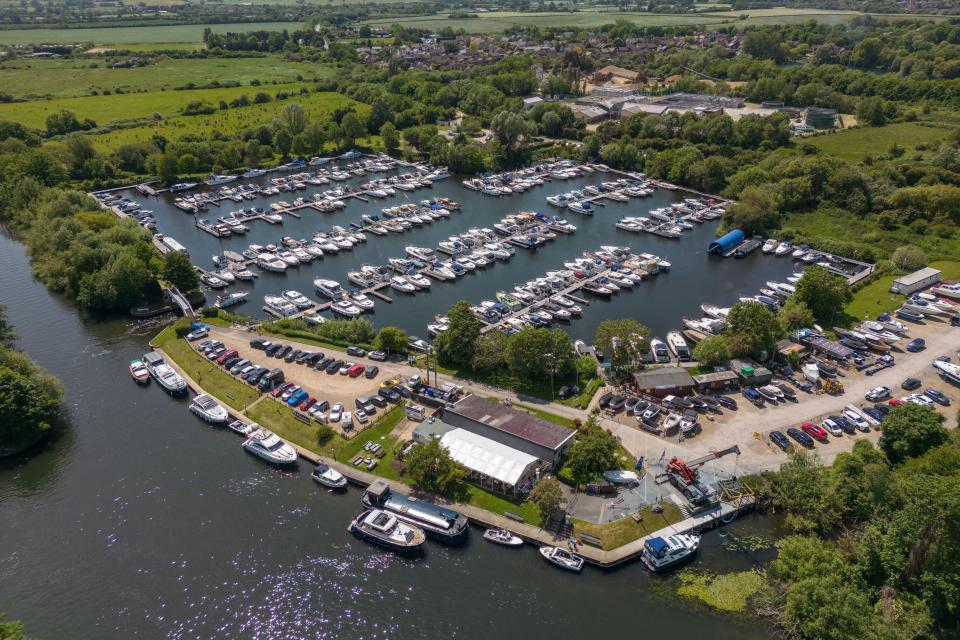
430 467
8 333
594 452
391 340
909 258
167 168
12 630
455 346
624 342
754 212
178 271
352 127
795 315
509 128
872 110
29 402
712 351
753 326
824 293
390 137
488 351
534 353
547 494
910 430
295 118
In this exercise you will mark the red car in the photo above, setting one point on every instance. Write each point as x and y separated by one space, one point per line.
356 370
280 389
815 431
895 402
306 404
226 355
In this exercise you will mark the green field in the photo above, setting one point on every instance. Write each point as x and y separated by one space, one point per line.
62 78
854 144
134 35
498 21
876 297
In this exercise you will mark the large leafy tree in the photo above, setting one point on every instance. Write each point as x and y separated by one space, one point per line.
391 340
624 342
712 351
29 401
455 346
534 353
178 271
824 293
547 494
753 328
430 467
594 452
910 431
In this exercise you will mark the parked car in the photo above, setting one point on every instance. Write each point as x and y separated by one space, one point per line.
605 400
356 351
815 431
919 399
857 420
226 355
345 367
355 370
378 356
289 391
831 427
937 396
378 401
280 389
915 345
365 404
333 367
895 402
360 415
403 390
567 391
800 436
283 351
336 412
780 440
347 420
297 398
238 365
726 401
228 363
878 393
213 354
883 408
910 384
844 424
371 372
616 403
196 335
260 343
273 349
389 394
324 363
873 413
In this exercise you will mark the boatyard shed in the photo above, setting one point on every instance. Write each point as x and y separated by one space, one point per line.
664 381
489 462
916 281
727 243
716 381
516 429
750 373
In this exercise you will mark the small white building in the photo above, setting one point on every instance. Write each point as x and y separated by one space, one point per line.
916 281
532 101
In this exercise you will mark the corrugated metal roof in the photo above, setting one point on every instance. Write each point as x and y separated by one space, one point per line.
509 420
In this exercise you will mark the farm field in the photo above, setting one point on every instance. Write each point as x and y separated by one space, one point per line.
230 122
62 78
497 21
854 145
134 35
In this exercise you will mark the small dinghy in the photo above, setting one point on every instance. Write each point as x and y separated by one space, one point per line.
502 536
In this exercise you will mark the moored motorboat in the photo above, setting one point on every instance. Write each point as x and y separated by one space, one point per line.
328 476
439 523
562 558
208 409
139 372
502 537
270 447
385 530
659 554
164 374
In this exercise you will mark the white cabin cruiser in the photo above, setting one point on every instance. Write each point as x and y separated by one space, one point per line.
209 409
270 447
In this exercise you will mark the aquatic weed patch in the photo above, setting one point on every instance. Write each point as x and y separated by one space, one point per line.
726 591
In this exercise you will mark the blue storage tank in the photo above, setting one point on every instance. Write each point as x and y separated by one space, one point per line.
727 243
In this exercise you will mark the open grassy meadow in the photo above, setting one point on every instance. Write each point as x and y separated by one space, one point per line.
63 78
498 21
855 144
134 35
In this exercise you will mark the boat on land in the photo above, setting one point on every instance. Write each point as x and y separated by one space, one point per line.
328 476
139 372
502 537
385 530
948 370
660 554
439 523
208 409
268 446
163 373
562 558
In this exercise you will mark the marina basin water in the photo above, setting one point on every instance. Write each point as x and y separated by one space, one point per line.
140 521
696 277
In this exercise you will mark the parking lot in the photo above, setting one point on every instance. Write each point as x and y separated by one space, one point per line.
749 426
334 388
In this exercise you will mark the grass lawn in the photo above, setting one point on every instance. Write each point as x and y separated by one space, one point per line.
208 375
620 532
70 78
135 35
582 401
497 504
854 144
876 297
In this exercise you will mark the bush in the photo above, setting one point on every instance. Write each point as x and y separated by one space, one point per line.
210 312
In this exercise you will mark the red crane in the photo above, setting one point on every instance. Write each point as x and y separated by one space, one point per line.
687 471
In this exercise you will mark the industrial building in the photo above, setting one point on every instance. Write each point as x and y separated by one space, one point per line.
916 281
716 381
664 381
519 430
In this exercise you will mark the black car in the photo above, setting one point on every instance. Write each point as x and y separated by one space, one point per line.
800 436
630 404
371 372
284 350
378 401
260 343
883 407
290 356
403 390
356 351
605 400
910 384
726 401
254 377
216 353
937 396
780 440
228 364
324 363
334 366
302 357
365 404
873 413
238 365
389 394
313 358
273 349
847 426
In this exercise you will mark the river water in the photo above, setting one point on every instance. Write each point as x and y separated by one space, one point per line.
660 303
137 521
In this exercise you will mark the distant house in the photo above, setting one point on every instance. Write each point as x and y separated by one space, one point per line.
664 381
820 118
588 114
532 101
618 72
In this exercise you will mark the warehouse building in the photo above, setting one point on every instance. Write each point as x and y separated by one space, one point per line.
664 381
916 281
